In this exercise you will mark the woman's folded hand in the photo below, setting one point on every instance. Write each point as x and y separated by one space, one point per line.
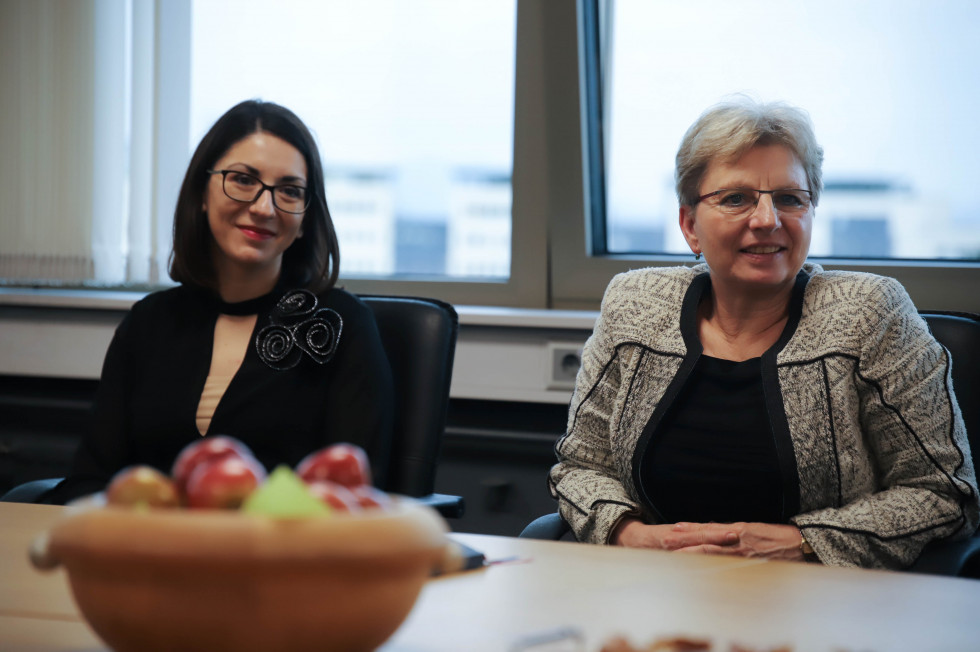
633 533
749 539
739 539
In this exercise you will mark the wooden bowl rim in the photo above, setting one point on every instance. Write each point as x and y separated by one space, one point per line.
405 529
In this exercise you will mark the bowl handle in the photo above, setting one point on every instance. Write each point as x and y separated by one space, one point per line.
40 553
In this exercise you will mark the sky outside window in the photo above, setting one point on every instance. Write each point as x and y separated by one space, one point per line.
891 87
412 104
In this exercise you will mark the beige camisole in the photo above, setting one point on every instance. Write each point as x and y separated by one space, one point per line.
232 333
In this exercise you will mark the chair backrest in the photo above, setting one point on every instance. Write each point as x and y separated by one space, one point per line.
419 337
960 333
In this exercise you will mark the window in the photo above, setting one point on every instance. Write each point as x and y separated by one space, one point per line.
468 184
885 83
650 67
412 103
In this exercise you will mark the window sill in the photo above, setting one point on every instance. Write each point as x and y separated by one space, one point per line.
504 354
119 300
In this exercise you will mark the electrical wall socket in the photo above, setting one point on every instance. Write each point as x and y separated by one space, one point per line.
564 359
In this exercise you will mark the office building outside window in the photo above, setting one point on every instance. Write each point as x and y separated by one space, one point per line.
412 103
890 87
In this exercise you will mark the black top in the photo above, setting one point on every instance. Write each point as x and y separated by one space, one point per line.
156 366
713 456
772 400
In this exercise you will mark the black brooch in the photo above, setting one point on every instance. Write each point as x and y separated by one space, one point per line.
298 327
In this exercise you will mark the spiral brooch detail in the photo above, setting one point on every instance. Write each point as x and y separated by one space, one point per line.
298 327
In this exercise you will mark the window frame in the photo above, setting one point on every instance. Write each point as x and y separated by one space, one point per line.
581 270
557 200
527 285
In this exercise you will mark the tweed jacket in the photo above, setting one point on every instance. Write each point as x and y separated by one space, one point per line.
871 446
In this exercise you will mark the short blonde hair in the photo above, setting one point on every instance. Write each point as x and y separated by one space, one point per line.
728 130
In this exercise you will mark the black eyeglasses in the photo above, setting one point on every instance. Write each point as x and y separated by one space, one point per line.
245 187
740 202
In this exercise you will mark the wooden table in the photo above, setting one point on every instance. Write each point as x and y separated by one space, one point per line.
540 587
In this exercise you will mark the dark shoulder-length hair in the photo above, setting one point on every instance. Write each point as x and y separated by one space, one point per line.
312 261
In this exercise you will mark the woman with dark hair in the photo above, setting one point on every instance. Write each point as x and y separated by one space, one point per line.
256 342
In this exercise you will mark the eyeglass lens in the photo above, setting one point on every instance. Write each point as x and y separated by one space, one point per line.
245 187
740 201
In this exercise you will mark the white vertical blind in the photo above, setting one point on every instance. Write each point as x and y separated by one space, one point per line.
81 142
142 252
46 139
110 152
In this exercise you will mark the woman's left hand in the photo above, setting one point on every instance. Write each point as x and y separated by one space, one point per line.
754 540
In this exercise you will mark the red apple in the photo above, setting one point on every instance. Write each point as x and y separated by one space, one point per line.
224 483
141 484
337 496
208 449
368 497
345 464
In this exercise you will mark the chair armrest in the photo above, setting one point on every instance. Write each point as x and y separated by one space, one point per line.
29 492
956 558
447 505
550 527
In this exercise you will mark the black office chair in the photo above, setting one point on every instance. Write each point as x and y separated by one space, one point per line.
419 337
960 333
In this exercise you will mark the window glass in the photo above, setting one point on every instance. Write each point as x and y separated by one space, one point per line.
412 104
890 86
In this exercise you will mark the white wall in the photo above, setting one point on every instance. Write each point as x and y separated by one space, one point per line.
502 354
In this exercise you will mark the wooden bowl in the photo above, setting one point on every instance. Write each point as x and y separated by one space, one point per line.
188 580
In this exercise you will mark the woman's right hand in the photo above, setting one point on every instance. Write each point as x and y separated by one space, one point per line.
634 533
